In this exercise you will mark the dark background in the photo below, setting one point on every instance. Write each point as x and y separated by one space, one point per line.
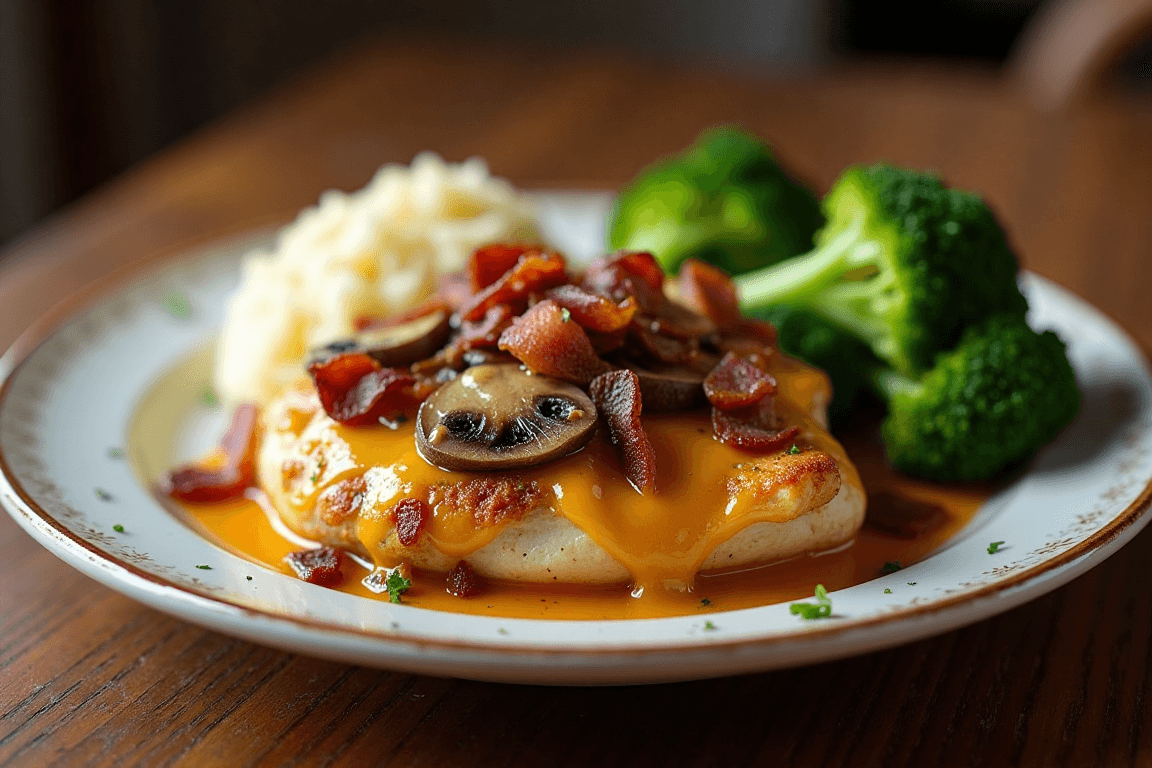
90 87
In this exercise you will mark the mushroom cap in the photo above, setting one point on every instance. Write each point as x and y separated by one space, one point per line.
394 345
501 416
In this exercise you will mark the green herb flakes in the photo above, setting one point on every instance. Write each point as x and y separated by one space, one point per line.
115 453
891 566
208 397
103 495
396 585
821 609
887 591
709 626
204 567
911 583
177 305
248 577
994 547
565 315
118 528
705 602
793 450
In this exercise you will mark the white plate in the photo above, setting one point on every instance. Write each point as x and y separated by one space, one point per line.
74 382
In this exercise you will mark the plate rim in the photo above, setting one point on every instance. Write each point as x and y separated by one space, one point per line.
52 533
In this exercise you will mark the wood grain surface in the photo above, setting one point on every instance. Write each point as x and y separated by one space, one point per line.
88 677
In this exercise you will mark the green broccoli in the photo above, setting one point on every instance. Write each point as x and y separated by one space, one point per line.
905 264
994 400
724 200
847 360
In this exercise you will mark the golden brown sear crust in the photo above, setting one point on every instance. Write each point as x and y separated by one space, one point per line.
809 478
490 500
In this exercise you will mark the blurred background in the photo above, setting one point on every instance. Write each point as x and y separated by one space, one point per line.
90 87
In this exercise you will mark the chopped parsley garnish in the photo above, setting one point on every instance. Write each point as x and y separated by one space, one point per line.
793 450
313 478
208 397
502 631
565 315
705 602
248 577
178 306
709 626
911 583
103 495
118 528
204 567
396 585
115 453
994 547
891 566
887 591
821 609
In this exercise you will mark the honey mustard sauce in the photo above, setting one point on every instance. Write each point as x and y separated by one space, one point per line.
662 539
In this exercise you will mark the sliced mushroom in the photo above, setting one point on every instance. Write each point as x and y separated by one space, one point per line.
675 388
503 417
394 345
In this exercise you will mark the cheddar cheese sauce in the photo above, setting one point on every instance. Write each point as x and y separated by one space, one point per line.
661 539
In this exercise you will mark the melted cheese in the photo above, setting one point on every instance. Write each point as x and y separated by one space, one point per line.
661 538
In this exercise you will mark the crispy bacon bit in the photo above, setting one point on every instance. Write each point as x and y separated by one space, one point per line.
355 390
534 272
628 273
411 515
737 383
617 398
710 292
592 311
490 263
342 500
748 431
547 341
199 484
489 500
317 566
485 332
649 343
462 581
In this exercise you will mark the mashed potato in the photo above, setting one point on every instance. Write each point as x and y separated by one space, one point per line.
371 252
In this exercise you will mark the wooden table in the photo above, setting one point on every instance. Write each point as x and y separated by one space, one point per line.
92 678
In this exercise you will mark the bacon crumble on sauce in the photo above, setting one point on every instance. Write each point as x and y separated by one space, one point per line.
611 330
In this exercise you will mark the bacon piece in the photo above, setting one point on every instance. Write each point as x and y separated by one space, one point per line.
462 581
710 292
490 263
737 383
317 566
199 484
680 322
410 515
646 342
355 390
593 311
485 332
617 398
748 431
550 343
534 272
628 273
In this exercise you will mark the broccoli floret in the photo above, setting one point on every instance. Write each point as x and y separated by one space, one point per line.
724 200
905 264
994 400
847 360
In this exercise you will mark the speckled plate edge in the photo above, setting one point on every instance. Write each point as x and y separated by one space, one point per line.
1116 517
